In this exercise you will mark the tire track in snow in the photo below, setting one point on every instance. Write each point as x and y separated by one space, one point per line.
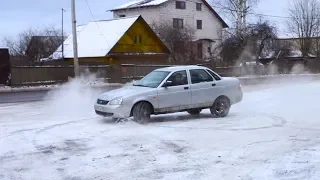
278 122
17 132
47 128
298 163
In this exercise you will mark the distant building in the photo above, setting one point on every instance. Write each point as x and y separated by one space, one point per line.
196 13
289 48
42 46
288 55
119 40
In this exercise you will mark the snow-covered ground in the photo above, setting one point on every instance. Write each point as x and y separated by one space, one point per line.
274 134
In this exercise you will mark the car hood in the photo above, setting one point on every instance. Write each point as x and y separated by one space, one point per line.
124 92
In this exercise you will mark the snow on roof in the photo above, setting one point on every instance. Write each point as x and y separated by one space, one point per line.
251 63
96 39
298 53
268 55
140 3
180 67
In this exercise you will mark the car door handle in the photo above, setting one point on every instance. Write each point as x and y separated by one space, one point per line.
186 87
213 84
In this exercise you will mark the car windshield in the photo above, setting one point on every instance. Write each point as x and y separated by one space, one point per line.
153 79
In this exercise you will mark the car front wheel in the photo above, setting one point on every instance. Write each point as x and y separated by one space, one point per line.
142 112
221 107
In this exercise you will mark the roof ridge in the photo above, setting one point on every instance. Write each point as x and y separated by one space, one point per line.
118 18
137 3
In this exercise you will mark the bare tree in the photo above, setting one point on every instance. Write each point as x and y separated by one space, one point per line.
258 40
305 22
18 45
231 49
238 10
262 36
34 44
178 39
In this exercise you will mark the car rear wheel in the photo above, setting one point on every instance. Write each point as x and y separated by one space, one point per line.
194 111
221 107
142 112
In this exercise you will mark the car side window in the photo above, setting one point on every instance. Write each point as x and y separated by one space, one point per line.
214 75
178 78
199 76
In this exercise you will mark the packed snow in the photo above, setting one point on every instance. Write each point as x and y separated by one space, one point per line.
273 134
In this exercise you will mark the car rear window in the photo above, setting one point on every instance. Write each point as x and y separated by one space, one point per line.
214 75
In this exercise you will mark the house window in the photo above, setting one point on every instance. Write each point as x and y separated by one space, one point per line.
198 6
137 39
199 24
122 15
209 49
177 23
199 50
180 5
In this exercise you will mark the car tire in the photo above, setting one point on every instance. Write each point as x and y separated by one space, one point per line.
142 112
220 107
194 111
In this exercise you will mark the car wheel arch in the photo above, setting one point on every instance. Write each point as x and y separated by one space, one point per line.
223 96
145 101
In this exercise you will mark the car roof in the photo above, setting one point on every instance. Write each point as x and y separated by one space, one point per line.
180 68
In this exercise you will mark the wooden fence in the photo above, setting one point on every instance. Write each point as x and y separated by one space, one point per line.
27 75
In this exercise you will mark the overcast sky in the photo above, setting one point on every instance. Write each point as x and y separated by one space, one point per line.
17 15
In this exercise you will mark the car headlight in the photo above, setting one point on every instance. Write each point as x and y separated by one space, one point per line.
116 101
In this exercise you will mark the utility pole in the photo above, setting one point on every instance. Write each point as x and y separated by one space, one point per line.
75 44
62 35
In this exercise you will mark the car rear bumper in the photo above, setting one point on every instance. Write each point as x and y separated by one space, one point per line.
119 111
238 97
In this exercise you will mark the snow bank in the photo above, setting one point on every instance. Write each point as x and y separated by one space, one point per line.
276 79
93 84
4 89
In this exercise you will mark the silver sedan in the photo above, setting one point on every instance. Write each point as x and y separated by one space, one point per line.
170 90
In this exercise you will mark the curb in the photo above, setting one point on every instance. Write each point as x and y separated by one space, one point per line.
49 88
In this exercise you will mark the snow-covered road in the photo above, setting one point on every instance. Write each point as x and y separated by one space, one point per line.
273 134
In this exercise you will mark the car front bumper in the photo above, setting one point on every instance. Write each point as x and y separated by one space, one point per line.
113 111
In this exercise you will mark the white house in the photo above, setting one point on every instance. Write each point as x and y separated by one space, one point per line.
196 13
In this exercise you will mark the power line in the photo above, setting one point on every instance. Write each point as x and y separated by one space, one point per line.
94 19
258 14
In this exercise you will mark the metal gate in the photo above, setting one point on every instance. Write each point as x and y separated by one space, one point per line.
4 66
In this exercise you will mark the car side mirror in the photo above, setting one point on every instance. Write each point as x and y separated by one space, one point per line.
167 83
